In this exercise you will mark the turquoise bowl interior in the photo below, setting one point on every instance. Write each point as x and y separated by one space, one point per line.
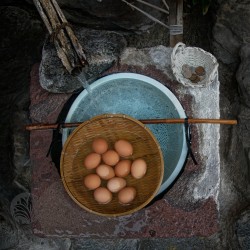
141 97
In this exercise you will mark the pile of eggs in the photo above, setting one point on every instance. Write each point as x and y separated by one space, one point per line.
112 166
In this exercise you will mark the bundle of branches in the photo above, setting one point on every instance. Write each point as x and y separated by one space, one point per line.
69 50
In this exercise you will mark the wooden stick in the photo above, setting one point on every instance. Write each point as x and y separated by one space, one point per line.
43 16
153 6
165 3
60 52
60 34
41 126
68 48
146 14
77 46
190 120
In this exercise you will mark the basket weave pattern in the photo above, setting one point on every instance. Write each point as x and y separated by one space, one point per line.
194 57
111 128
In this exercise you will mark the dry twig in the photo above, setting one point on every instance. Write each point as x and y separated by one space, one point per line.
146 14
153 6
166 5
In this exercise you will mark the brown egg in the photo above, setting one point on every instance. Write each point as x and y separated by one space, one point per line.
116 184
105 172
100 145
122 168
102 195
110 157
123 148
127 195
92 181
138 168
92 160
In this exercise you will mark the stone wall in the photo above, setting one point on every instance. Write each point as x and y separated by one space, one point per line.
109 14
231 46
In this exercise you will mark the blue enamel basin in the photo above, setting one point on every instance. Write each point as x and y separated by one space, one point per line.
141 97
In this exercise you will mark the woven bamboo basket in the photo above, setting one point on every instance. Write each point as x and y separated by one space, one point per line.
112 128
194 57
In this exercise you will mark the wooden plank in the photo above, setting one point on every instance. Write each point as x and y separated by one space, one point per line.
175 18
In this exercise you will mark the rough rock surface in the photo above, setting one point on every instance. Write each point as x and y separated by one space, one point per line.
231 47
110 14
16 40
102 50
243 230
243 78
21 33
8 231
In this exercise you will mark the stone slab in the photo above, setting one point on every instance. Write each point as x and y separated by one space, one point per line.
101 48
188 209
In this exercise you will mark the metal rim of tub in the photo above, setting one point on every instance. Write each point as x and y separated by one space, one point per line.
116 76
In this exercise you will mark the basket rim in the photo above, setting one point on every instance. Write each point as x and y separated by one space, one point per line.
99 117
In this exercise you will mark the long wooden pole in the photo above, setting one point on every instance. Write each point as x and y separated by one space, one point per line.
41 126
